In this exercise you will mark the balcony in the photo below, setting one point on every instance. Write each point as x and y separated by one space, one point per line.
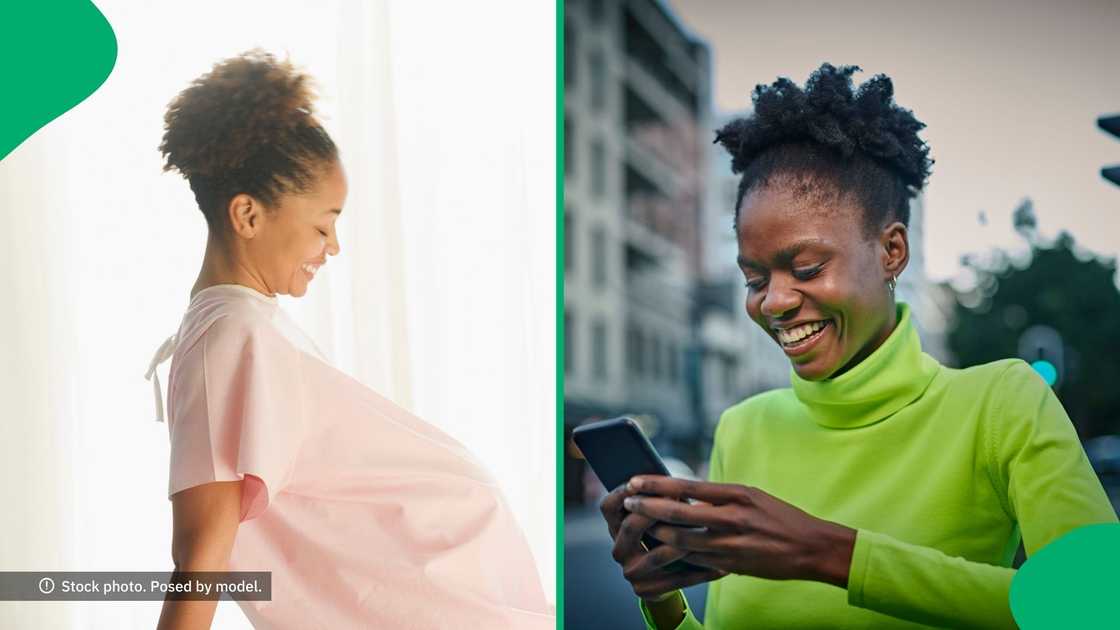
663 56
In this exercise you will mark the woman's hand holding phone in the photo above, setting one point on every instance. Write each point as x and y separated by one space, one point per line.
737 529
646 569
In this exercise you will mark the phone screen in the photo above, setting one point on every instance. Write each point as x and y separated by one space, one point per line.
617 450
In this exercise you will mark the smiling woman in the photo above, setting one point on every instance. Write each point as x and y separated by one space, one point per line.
881 489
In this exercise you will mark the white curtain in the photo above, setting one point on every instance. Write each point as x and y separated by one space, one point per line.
443 296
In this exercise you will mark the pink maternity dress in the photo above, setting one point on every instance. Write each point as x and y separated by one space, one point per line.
366 515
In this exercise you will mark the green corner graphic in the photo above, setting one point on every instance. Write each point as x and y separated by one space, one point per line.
1071 582
55 55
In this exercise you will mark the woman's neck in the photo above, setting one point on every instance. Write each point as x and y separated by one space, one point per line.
220 267
892 376
880 336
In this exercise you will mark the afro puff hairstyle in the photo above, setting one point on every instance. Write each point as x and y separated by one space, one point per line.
247 126
856 144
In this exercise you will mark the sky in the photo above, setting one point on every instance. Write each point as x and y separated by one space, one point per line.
1010 93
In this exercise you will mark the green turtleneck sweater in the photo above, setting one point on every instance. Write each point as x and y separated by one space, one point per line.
941 471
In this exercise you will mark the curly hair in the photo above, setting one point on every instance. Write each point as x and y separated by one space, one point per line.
247 126
832 139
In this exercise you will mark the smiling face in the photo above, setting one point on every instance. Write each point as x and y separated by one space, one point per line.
283 248
816 281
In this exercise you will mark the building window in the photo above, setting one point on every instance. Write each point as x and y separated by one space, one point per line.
569 241
569 343
599 348
599 257
598 68
571 43
598 168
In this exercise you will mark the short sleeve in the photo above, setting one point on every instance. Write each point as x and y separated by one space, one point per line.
237 411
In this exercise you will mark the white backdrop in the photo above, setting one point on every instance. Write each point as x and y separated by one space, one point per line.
443 296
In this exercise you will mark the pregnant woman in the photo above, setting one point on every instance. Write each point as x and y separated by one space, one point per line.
365 515
882 489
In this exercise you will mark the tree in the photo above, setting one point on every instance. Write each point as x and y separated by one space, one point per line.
1061 286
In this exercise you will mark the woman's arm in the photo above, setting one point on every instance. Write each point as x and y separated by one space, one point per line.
747 531
1038 466
205 524
922 584
1045 484
668 612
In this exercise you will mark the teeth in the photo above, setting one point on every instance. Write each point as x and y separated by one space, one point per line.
309 268
797 334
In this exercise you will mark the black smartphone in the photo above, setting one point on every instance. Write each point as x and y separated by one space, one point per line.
617 450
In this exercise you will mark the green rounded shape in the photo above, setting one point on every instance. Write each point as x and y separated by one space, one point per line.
55 55
1071 582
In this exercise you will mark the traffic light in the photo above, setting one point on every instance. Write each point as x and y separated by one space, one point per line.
1047 370
1111 124
1041 346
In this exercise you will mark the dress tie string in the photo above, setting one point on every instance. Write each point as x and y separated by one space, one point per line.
165 351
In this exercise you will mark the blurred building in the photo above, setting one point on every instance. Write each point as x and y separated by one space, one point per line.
637 102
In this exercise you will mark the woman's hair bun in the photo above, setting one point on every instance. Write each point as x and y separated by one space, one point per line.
246 126
242 104
830 113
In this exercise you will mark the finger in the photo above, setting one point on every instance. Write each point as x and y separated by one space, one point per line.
672 511
613 501
628 543
612 509
651 588
710 560
687 538
640 566
672 487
